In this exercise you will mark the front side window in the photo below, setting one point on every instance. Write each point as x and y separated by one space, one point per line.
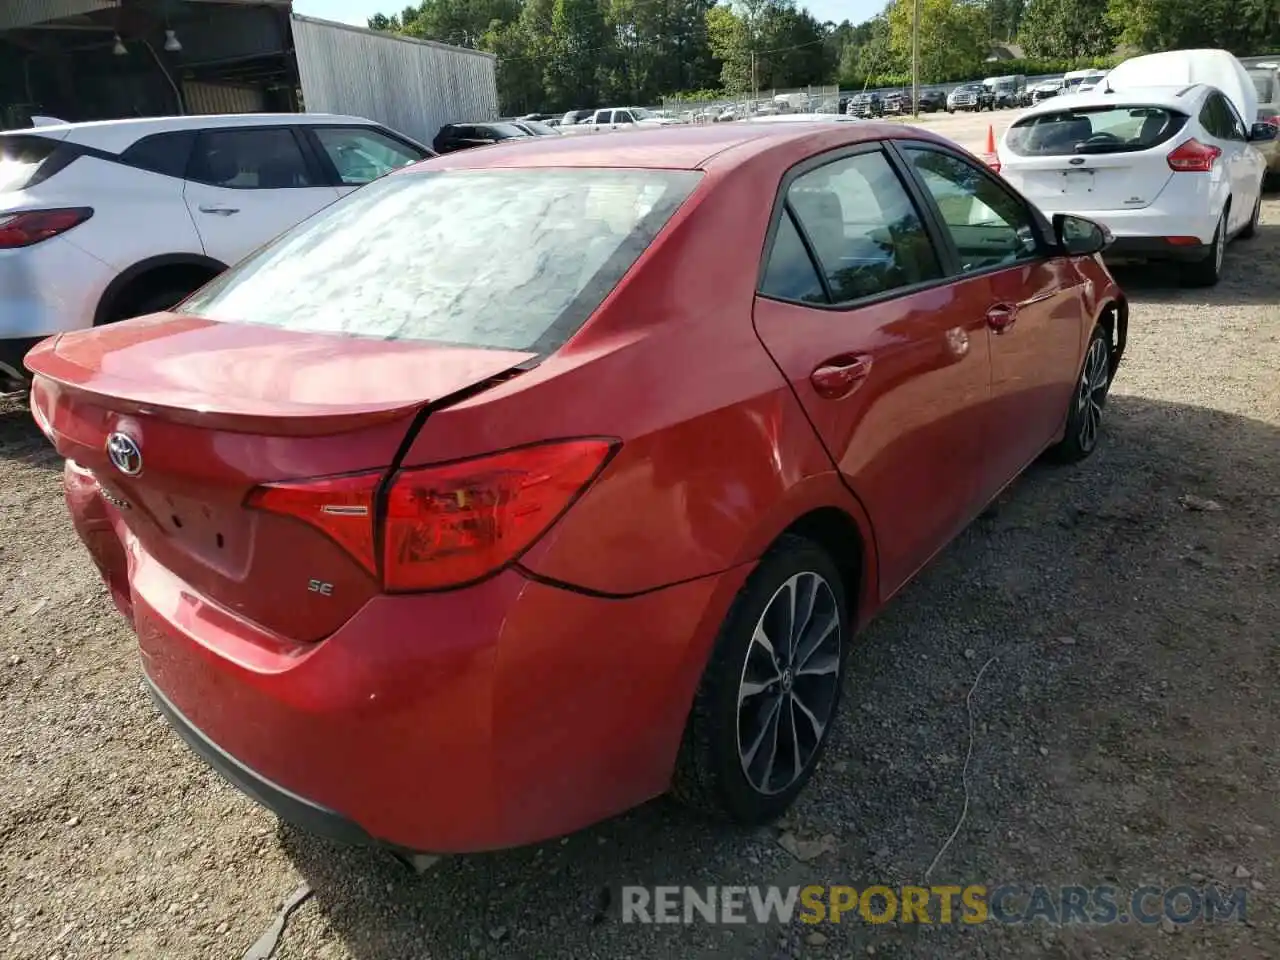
863 228
512 259
264 159
987 225
361 155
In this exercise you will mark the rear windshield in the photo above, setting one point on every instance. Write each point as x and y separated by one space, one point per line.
1118 129
513 259
20 158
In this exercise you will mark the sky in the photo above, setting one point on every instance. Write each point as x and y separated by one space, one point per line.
359 11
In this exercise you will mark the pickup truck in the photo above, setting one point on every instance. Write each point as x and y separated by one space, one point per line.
617 118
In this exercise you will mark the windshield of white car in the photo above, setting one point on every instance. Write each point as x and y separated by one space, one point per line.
512 259
1123 128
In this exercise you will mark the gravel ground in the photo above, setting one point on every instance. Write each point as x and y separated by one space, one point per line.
1125 731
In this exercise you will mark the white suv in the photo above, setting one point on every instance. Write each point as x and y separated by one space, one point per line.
108 220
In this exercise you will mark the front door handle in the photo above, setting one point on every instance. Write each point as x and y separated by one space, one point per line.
1001 317
220 211
840 376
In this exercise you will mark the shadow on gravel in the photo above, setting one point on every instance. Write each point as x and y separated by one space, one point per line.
1250 276
20 438
1125 734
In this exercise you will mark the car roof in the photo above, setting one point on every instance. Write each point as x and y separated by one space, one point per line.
676 147
1181 98
117 135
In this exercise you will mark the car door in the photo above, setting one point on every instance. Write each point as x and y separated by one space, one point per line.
247 185
1216 118
1246 180
1029 302
887 357
354 156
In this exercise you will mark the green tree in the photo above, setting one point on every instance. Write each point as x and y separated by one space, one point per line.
731 44
1242 26
1068 29
579 44
953 37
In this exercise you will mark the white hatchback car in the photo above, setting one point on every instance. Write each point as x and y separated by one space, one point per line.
102 221
1172 172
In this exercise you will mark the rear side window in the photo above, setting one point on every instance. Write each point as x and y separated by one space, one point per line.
167 153
863 227
1119 129
790 273
361 155
21 158
513 259
263 159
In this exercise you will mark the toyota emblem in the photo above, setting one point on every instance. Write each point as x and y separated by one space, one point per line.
124 454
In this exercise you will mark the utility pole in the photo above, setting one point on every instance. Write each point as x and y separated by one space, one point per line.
915 63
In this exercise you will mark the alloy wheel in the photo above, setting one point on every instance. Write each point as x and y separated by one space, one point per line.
789 684
1093 393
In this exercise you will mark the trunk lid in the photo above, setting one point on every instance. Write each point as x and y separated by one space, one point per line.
216 409
1127 181
1089 156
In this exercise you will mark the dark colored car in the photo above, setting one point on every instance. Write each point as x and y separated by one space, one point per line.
462 136
931 101
453 519
895 103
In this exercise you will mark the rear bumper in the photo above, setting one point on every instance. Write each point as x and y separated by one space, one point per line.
1156 248
289 807
51 287
1145 233
498 715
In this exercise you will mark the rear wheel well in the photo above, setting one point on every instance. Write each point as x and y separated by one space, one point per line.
133 289
1115 321
838 535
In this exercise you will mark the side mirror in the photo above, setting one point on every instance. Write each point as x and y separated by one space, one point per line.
1263 133
1078 237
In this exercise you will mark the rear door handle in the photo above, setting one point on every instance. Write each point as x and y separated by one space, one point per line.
220 211
840 376
1001 317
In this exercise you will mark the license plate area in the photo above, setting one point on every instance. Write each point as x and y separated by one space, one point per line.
1077 183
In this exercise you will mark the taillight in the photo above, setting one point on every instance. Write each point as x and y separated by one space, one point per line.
26 227
1273 120
443 526
1193 157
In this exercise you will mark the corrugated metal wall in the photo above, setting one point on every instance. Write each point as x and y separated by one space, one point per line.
211 98
411 86
21 13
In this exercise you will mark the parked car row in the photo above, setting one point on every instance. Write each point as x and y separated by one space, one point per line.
419 512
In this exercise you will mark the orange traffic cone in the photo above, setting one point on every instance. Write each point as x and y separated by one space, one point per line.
990 157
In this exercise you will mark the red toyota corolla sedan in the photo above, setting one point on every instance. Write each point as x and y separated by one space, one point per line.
528 484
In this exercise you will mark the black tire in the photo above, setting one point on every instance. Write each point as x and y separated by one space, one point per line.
1251 230
1207 272
1088 401
711 770
153 301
